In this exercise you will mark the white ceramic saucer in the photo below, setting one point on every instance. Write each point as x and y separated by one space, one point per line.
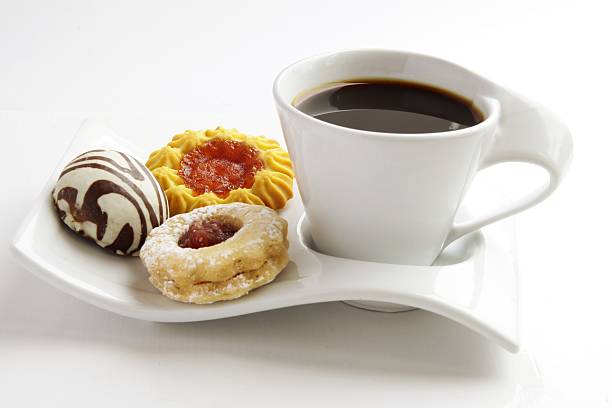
474 281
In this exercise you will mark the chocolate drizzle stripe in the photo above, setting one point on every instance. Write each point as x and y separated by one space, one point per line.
137 175
163 207
85 153
132 171
124 240
134 187
90 211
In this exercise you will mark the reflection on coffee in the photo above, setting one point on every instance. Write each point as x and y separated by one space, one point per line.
391 106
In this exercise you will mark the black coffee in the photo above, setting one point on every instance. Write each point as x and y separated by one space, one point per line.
389 106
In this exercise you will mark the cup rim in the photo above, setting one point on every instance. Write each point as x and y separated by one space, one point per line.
492 104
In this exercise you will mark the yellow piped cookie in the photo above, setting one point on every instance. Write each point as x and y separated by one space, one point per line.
194 173
167 156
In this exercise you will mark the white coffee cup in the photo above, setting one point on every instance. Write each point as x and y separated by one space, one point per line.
389 197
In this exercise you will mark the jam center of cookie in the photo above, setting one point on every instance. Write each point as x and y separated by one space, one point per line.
205 233
220 166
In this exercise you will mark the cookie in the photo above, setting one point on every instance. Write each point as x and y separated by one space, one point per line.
221 166
218 252
110 198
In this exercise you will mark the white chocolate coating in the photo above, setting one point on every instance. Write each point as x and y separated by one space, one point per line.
111 198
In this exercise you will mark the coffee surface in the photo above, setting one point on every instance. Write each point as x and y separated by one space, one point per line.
389 106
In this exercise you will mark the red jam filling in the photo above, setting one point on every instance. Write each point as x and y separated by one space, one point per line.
220 166
205 233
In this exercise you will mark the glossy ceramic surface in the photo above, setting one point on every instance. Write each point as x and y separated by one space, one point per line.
402 191
473 282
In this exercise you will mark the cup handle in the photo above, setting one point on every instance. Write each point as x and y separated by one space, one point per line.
529 135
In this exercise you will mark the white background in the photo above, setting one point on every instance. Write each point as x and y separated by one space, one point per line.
214 62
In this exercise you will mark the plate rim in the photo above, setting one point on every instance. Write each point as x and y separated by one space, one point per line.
84 291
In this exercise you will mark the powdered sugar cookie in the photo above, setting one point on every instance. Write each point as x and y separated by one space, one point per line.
218 252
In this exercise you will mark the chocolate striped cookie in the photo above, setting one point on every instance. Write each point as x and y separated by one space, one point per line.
112 198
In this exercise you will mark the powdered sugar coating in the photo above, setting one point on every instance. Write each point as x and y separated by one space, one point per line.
210 292
219 271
